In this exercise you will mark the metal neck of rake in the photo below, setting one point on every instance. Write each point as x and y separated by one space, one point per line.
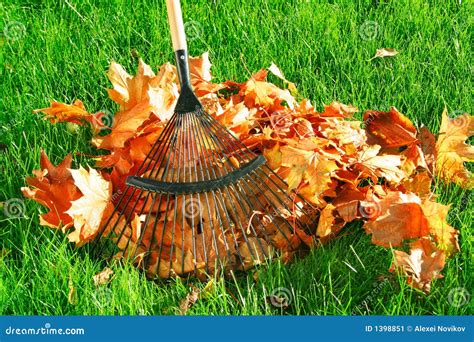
183 68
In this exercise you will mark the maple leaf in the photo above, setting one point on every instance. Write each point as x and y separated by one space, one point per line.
200 67
142 97
389 129
309 166
428 147
422 265
329 223
264 94
74 114
61 112
452 150
88 211
380 165
445 235
400 217
54 188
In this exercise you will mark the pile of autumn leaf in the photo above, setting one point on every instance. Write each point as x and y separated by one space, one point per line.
379 170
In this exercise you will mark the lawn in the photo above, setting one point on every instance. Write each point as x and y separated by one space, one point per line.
60 50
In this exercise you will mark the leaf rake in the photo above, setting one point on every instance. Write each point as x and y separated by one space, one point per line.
201 201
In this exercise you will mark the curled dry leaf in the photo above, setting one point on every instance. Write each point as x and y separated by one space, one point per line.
385 52
194 295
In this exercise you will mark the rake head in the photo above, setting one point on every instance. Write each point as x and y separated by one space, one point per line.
201 202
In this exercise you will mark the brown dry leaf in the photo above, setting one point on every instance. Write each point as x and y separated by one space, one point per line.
419 184
311 167
88 211
190 299
200 67
385 52
422 265
103 277
399 217
453 150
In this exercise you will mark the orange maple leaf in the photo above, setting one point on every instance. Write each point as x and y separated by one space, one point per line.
54 188
395 218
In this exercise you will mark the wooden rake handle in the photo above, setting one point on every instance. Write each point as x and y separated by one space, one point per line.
175 19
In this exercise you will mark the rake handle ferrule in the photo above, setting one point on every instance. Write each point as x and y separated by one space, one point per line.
183 68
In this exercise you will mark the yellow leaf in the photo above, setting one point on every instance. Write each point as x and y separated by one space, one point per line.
453 150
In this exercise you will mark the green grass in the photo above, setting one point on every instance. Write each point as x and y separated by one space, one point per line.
64 54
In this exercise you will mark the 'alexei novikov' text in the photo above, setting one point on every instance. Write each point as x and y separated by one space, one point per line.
438 328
